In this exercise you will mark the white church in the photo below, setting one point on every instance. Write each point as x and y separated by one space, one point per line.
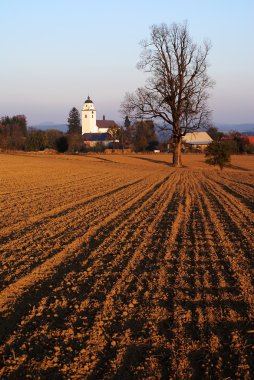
93 130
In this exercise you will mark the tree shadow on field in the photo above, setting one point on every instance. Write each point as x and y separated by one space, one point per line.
105 159
134 355
230 166
136 363
227 355
154 161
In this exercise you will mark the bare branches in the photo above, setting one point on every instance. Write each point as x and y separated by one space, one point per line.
178 83
177 90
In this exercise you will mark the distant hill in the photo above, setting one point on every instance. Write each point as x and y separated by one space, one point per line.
245 129
50 125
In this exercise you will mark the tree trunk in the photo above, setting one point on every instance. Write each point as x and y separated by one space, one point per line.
177 153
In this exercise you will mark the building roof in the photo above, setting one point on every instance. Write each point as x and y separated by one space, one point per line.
197 138
95 137
198 142
249 138
88 100
105 123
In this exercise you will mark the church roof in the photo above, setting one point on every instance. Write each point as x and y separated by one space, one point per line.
95 136
105 123
88 100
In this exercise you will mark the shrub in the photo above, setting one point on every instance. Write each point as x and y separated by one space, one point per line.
62 144
217 153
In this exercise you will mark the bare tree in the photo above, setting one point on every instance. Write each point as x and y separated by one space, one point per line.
176 91
114 133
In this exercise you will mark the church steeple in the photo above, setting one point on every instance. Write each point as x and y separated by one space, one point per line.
89 117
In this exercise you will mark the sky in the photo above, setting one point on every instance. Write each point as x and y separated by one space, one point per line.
56 52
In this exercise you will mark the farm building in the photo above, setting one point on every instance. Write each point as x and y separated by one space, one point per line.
91 139
93 130
197 140
250 139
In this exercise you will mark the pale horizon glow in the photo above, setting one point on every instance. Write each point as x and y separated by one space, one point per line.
55 53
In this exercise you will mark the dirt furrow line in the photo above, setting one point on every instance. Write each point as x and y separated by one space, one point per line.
89 305
229 197
137 214
239 219
46 270
16 210
162 294
235 256
245 196
183 291
128 295
8 233
154 281
36 193
136 295
30 251
53 242
25 253
239 180
221 310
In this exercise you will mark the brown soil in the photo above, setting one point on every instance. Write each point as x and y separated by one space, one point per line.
123 267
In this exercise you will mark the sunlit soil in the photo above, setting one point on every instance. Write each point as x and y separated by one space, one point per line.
123 267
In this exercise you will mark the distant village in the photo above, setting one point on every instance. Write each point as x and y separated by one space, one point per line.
86 133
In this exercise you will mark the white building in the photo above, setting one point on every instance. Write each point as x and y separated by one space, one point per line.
198 140
94 130
89 117
89 122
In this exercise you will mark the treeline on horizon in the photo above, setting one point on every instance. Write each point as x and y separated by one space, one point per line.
140 136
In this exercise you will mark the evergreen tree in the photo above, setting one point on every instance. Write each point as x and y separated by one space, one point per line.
127 122
217 153
74 124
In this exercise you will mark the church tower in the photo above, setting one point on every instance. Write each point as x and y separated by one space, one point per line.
89 117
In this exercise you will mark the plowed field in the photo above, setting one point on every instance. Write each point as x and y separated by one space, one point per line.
117 267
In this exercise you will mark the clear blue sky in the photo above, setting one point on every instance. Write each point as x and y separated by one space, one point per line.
55 52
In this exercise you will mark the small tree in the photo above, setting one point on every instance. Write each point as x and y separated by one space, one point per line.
36 140
13 132
217 153
74 124
75 143
127 122
214 133
114 133
144 137
51 137
237 142
62 144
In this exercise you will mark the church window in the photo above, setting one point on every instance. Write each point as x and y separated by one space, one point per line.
85 116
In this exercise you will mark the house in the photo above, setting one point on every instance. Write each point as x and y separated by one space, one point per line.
249 139
197 140
93 130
